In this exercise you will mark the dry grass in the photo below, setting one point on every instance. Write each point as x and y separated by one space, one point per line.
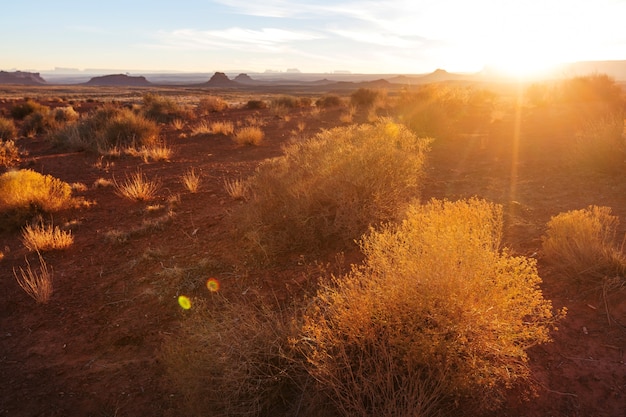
249 135
102 183
582 244
41 238
191 180
225 128
157 152
137 187
178 124
236 188
38 285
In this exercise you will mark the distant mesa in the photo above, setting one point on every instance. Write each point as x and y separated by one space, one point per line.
245 79
121 80
219 79
21 78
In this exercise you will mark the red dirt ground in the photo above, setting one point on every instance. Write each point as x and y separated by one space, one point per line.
93 349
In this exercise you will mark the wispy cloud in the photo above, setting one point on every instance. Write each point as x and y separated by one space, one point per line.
268 39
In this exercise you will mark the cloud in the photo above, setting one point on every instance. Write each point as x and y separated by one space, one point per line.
268 39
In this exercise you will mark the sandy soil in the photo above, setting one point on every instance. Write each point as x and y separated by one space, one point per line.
93 349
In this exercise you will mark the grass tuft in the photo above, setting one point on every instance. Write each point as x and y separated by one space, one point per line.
38 285
137 187
41 238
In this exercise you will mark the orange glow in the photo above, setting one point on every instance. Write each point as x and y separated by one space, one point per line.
213 285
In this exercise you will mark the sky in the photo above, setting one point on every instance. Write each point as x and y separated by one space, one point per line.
324 36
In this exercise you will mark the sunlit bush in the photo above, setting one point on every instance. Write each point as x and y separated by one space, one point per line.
25 192
9 154
7 129
437 315
582 244
332 187
249 135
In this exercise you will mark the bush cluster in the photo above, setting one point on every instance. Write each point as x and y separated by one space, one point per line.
330 188
582 245
436 315
110 127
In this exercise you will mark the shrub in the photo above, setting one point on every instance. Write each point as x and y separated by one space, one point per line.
65 114
108 128
9 154
581 244
289 102
161 109
21 110
137 187
329 101
233 359
38 285
26 189
256 105
40 121
249 135
332 187
128 129
211 104
42 237
436 315
364 98
600 146
7 129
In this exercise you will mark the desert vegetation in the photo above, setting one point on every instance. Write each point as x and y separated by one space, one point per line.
427 250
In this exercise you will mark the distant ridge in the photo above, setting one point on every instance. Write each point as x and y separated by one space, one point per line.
119 80
21 78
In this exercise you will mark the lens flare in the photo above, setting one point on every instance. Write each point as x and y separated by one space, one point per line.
184 302
213 285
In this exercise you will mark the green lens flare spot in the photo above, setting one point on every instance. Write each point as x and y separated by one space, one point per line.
184 302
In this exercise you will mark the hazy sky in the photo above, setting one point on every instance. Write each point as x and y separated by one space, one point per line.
390 36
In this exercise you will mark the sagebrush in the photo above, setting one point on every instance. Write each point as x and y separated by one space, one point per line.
330 188
437 315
